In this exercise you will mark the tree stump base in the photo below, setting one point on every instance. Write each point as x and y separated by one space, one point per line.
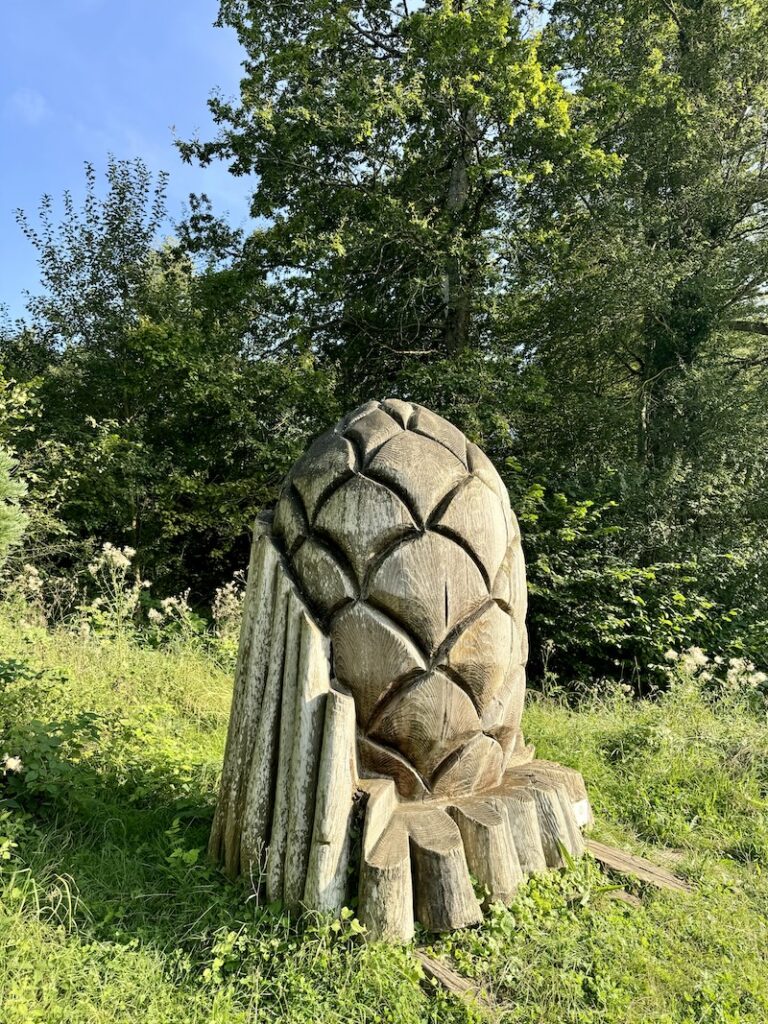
419 858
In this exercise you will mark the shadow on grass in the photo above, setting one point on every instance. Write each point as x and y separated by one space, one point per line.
113 805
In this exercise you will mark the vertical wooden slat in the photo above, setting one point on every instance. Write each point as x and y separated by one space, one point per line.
326 883
280 810
261 781
313 684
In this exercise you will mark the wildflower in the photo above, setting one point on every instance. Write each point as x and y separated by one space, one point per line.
12 764
155 616
228 606
671 655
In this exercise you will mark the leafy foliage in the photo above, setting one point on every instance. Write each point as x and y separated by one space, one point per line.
166 425
548 225
12 519
402 158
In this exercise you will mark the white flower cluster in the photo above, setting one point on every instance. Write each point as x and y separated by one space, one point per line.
30 582
176 605
227 607
170 608
11 763
736 674
112 557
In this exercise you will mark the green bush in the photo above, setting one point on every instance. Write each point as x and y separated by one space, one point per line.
597 614
12 518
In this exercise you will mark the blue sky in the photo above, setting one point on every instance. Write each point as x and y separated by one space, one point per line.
83 78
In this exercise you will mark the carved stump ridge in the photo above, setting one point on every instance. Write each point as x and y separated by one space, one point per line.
380 684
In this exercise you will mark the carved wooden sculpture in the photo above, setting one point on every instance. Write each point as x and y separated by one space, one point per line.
380 683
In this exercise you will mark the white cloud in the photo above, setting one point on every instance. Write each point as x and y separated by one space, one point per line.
27 105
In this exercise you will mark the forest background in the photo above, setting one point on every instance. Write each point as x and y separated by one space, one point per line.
547 222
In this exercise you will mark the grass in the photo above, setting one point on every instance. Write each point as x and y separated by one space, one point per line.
109 911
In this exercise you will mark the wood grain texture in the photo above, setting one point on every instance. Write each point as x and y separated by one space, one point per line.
363 517
442 890
428 585
371 654
321 575
439 973
381 673
386 886
397 464
489 847
624 863
423 720
246 706
525 829
427 556
552 827
474 768
478 523
281 808
326 878
312 687
260 790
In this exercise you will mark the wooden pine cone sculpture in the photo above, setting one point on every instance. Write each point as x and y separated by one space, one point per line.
381 673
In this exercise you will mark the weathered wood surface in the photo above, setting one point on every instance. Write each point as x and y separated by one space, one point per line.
442 889
278 835
312 688
381 677
439 973
401 539
246 705
260 783
622 896
386 886
489 847
327 871
417 857
624 863
524 828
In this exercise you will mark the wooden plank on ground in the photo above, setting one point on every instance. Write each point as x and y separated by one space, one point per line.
450 980
638 867
624 897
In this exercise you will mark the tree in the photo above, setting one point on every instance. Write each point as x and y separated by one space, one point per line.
400 158
556 235
664 269
96 262
647 368
167 421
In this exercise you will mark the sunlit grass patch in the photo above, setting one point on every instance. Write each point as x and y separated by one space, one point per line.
111 912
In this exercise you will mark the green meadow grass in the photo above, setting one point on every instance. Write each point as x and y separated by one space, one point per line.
109 911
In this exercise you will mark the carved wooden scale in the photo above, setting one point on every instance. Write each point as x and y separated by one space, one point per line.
380 687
